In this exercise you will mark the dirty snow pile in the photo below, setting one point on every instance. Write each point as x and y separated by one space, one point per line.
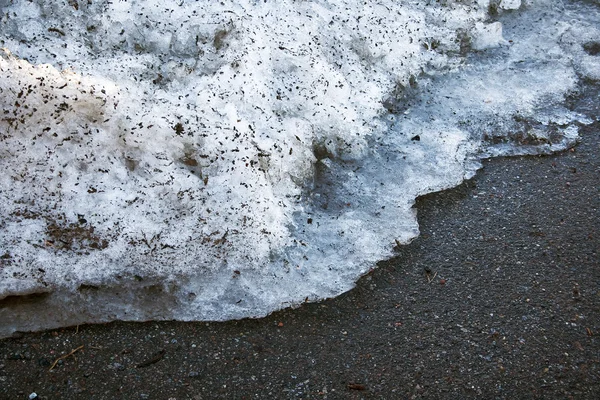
205 160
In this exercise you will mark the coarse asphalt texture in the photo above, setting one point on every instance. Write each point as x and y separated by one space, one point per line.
499 298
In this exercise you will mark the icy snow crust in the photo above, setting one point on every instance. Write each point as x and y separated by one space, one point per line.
204 160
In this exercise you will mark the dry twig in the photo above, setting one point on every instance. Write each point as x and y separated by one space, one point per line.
65 356
432 278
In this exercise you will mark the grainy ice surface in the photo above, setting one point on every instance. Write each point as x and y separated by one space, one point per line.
202 160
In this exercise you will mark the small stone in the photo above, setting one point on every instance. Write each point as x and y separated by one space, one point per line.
33 396
118 366
44 362
194 374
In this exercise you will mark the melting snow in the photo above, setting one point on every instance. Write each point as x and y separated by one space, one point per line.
202 160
